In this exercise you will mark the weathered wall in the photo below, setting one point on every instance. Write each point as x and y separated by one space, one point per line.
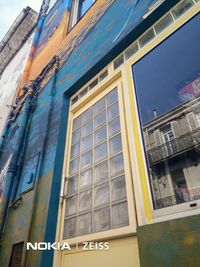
173 243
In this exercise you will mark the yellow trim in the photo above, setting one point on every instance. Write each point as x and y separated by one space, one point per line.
135 122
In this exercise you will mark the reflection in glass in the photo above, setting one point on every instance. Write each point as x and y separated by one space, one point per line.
86 143
168 95
118 189
114 127
111 97
100 152
115 144
87 129
99 120
100 135
86 159
74 165
71 205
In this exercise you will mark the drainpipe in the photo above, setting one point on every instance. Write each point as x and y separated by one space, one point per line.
51 107
13 165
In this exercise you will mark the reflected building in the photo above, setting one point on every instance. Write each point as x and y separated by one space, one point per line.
172 143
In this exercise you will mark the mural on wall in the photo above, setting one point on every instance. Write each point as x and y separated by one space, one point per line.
10 79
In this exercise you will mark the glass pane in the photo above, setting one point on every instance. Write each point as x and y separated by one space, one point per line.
74 166
147 37
116 165
163 23
86 160
71 206
113 111
86 178
86 143
100 152
114 127
85 200
77 123
101 172
101 195
75 150
76 135
120 215
118 189
87 115
111 97
102 220
84 224
84 5
131 50
87 129
99 106
168 96
115 144
99 120
182 8
100 135
72 186
69 228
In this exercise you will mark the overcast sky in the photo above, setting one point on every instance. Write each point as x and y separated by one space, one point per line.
10 9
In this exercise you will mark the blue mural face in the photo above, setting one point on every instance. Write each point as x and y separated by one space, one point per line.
170 74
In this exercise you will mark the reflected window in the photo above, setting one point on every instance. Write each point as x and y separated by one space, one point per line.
167 82
96 191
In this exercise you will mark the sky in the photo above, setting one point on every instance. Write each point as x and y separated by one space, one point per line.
10 9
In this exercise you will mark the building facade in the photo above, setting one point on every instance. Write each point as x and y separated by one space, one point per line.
102 145
14 51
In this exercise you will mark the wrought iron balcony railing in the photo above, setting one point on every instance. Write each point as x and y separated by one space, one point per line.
177 145
181 196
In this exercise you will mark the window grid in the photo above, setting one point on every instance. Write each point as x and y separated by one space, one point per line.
95 185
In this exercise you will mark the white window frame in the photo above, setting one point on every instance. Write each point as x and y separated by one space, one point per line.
74 12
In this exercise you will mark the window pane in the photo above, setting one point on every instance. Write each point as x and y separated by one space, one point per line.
71 205
100 135
101 172
85 200
115 144
75 150
84 5
87 129
168 96
113 111
86 178
99 120
100 152
116 165
86 143
101 195
74 166
86 160
120 215
111 97
102 220
182 8
69 228
99 106
118 189
72 186
87 115
163 23
77 123
114 127
84 224
147 37
76 135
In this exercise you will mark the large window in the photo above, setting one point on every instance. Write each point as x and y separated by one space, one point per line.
96 196
167 83
79 8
